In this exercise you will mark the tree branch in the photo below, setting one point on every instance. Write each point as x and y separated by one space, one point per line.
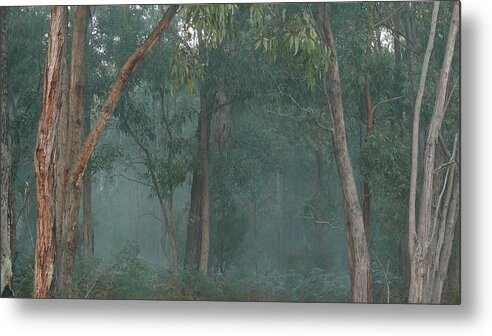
114 94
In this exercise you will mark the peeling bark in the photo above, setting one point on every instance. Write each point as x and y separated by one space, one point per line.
45 156
60 158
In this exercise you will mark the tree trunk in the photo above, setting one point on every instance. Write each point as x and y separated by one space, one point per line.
87 201
204 149
87 218
318 206
60 159
415 140
172 234
427 265
45 156
198 227
366 204
69 135
115 92
167 218
193 229
7 232
359 250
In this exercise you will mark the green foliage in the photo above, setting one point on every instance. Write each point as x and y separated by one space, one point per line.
293 35
269 61
390 149
104 158
209 24
129 277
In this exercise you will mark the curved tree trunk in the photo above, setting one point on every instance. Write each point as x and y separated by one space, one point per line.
359 250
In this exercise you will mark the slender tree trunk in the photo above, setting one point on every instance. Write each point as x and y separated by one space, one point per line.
318 206
204 215
193 236
172 234
87 218
415 141
167 218
425 286
410 29
60 160
7 230
87 201
366 204
359 250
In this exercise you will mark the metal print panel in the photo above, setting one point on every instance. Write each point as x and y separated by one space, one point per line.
297 152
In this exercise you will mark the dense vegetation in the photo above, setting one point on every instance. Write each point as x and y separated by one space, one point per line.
249 152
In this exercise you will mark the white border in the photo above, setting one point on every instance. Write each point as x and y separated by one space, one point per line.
473 317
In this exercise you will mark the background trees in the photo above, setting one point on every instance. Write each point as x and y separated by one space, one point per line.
240 148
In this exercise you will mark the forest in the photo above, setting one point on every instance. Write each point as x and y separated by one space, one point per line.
292 152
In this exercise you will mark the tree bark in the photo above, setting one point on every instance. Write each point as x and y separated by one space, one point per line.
359 251
114 94
193 230
318 206
198 226
425 286
7 230
69 139
45 156
88 231
204 216
60 159
366 203
415 139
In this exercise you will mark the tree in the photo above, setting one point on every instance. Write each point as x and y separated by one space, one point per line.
198 229
165 152
210 24
7 230
358 248
60 142
430 246
88 231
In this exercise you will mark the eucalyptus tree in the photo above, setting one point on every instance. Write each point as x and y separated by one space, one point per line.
359 258
205 27
59 139
430 244
165 148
